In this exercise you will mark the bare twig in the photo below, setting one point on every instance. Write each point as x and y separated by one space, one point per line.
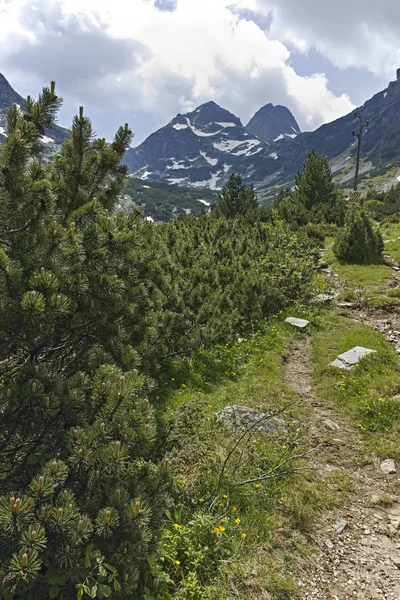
250 430
276 470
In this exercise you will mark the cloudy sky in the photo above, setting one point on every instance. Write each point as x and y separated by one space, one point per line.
143 61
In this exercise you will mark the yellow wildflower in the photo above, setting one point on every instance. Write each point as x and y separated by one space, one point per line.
222 520
217 531
234 509
177 562
221 528
221 504
244 536
283 499
237 521
224 496
201 500
257 485
177 526
284 447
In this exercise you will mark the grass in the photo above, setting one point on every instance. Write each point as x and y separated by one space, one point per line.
359 276
365 393
278 516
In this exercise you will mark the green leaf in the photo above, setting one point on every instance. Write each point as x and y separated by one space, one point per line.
117 585
93 591
104 590
54 591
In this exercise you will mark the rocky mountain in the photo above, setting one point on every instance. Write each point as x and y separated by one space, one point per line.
273 123
203 147
200 149
52 139
380 142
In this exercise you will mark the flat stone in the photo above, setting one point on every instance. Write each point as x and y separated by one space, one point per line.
329 424
340 525
299 323
245 418
346 304
348 359
323 298
396 268
329 544
388 467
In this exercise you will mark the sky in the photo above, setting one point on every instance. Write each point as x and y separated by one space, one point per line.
144 61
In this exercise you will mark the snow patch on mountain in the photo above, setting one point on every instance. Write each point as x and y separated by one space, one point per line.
211 161
179 126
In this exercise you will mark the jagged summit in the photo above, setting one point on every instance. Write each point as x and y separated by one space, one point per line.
8 96
273 123
200 149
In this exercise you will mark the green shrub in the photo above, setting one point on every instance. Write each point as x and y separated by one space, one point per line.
358 241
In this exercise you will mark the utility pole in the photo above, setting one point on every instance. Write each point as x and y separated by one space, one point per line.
358 135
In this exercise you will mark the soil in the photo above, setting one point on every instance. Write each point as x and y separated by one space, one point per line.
363 561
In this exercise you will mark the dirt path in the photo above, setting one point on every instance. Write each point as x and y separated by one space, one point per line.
363 561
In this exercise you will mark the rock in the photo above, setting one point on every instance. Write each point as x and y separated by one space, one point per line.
299 323
329 544
322 298
388 467
327 271
348 359
396 268
329 424
340 525
346 304
243 417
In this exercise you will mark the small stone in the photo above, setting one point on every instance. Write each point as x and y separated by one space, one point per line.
388 467
340 525
299 323
329 544
329 424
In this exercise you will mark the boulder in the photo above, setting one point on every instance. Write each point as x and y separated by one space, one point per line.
348 359
298 323
242 417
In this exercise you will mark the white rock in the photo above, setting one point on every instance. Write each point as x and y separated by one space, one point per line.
388 467
329 424
340 525
299 323
348 359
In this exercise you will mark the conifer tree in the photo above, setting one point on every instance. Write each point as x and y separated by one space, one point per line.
236 198
315 190
81 499
358 241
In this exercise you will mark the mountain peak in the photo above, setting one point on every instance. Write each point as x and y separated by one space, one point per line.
7 95
272 123
211 112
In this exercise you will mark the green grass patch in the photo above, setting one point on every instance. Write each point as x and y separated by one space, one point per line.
266 525
353 275
366 392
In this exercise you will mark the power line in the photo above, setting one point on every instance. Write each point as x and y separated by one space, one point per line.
384 109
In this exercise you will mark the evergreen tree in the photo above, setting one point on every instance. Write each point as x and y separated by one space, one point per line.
315 190
358 241
81 498
236 198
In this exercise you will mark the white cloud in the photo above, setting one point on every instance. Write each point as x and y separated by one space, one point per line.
355 33
161 59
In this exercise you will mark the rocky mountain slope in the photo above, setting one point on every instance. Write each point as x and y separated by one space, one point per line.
273 123
201 149
8 96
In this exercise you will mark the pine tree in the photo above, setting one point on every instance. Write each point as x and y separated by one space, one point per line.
81 498
235 199
358 241
315 190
